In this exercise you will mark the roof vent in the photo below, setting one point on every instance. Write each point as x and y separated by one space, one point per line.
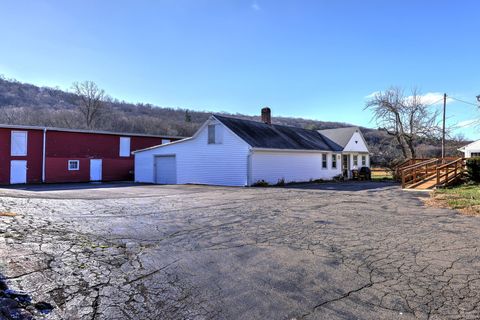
266 115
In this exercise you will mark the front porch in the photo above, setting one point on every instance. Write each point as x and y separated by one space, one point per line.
354 161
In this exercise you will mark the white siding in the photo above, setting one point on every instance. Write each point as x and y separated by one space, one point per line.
200 162
291 166
473 147
356 144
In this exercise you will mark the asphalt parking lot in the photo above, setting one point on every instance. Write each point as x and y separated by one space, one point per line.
326 251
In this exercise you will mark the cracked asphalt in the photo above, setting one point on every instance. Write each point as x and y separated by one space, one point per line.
326 251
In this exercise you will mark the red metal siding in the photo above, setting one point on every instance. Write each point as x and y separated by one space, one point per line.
33 157
62 146
56 170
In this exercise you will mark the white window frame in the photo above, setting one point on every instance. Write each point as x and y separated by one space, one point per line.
217 134
334 161
474 154
355 160
364 160
123 143
14 154
324 161
74 161
211 138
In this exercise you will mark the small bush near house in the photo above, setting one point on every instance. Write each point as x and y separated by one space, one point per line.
260 183
339 177
473 169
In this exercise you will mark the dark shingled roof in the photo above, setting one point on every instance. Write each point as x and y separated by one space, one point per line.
261 135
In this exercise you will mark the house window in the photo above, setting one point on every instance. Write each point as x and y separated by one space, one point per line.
18 143
355 160
165 141
73 165
475 154
334 161
364 161
214 134
211 134
124 147
324 161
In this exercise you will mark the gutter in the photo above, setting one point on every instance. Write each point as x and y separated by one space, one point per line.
291 150
249 168
44 153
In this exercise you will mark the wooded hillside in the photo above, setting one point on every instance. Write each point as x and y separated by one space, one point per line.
26 104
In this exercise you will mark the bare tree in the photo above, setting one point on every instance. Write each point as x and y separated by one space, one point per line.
406 118
91 101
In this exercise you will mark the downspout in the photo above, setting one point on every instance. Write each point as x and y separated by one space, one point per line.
44 153
249 168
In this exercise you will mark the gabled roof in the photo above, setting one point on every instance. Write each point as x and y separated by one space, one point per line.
261 135
339 136
265 136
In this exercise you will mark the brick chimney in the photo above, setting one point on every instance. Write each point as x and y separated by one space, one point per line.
266 115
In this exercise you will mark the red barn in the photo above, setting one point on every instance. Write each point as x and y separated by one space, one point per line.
37 154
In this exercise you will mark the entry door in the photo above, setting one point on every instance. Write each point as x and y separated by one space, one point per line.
345 165
95 169
166 170
18 171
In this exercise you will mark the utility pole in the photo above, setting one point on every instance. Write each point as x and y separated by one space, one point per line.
443 129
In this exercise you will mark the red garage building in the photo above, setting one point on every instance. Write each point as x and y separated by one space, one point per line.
38 154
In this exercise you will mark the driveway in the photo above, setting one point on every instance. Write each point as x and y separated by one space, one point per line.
327 251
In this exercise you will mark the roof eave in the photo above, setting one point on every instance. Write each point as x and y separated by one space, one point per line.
162 145
292 150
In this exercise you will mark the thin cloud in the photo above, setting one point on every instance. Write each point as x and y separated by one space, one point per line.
432 98
255 6
468 123
372 95
429 98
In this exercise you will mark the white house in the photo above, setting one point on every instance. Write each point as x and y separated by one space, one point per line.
235 152
471 150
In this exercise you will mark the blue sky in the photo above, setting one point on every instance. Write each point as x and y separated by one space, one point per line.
313 59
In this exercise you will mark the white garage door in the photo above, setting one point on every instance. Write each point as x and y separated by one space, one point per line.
165 170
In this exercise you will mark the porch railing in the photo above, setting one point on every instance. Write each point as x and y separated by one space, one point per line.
414 173
450 172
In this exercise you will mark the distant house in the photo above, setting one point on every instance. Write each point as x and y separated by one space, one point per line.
236 152
471 150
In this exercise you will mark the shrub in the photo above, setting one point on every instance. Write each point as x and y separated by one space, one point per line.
261 183
473 169
281 182
339 177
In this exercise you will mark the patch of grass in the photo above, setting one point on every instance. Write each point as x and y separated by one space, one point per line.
381 174
465 198
382 178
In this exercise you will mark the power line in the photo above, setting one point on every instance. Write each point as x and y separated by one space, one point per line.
459 100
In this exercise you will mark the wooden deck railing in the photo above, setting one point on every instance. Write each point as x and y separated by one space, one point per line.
442 171
414 173
450 172
406 163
